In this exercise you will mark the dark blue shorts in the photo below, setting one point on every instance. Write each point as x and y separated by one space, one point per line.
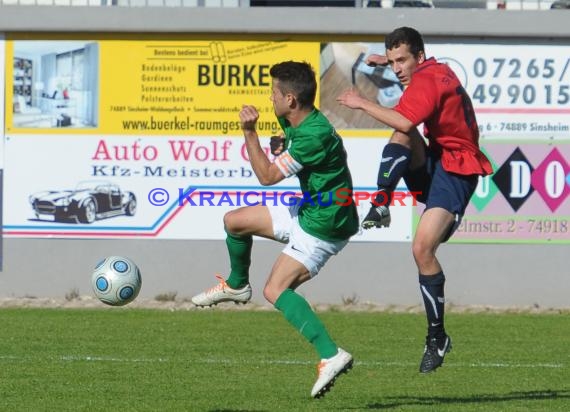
439 188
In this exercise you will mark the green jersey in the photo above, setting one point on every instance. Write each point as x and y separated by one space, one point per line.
315 153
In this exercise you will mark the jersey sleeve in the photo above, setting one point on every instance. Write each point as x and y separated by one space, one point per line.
419 100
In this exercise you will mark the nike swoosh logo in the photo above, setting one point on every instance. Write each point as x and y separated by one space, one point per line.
435 324
294 248
398 160
441 352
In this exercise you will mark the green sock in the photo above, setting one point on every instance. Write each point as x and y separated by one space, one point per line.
299 314
239 248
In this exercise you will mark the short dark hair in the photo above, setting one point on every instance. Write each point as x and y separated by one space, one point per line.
405 35
297 78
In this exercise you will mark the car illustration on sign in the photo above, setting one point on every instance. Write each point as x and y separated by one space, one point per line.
89 201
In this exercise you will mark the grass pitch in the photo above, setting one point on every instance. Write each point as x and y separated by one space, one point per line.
126 359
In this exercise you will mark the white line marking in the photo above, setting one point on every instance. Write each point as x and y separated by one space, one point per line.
87 358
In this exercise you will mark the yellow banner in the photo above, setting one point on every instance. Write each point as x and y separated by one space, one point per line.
144 87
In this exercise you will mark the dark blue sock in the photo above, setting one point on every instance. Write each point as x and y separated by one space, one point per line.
393 164
432 289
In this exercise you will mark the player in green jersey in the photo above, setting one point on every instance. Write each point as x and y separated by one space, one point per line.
314 227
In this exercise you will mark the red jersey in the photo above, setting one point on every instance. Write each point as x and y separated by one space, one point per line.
436 98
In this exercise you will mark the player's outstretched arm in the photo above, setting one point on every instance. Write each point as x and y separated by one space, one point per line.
354 100
267 173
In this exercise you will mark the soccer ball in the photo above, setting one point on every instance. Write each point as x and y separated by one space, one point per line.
116 280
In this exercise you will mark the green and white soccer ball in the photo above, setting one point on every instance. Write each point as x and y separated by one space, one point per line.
116 280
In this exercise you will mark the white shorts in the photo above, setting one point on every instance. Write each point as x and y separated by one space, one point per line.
310 251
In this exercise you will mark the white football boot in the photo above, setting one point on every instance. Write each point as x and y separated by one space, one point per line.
330 369
222 293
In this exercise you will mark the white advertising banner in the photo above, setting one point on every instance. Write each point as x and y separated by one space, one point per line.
157 187
519 91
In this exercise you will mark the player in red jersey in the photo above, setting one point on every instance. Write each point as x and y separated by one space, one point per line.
445 172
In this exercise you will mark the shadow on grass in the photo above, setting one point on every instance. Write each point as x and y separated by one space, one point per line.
399 401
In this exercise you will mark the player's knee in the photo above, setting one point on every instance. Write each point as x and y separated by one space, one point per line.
401 138
232 222
423 250
270 293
